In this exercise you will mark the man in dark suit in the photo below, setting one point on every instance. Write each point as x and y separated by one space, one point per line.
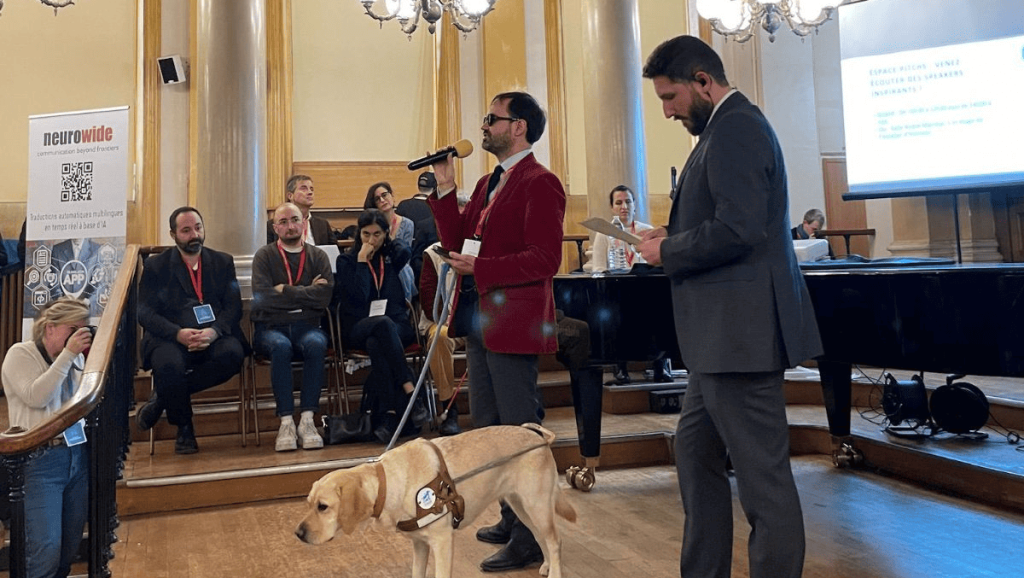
315 230
189 308
509 238
742 316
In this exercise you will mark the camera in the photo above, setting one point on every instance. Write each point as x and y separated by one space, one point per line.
92 330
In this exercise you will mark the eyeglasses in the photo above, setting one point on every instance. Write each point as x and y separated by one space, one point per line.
381 196
490 119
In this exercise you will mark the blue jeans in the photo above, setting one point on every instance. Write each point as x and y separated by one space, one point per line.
282 343
56 507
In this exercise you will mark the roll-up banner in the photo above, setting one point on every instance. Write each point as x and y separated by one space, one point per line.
77 201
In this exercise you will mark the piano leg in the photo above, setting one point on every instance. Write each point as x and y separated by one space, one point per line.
836 388
587 391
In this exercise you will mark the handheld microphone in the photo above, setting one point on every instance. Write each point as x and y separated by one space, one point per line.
462 149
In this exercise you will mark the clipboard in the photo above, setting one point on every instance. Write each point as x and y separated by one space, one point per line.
606 227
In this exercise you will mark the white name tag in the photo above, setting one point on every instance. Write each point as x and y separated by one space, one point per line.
378 306
471 247
75 434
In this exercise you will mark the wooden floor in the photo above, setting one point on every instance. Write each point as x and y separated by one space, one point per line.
859 525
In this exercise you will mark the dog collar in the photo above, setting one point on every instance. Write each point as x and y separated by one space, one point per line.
382 491
435 499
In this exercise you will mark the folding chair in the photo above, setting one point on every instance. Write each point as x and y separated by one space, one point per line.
331 362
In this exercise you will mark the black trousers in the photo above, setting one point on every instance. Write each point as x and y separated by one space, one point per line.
178 373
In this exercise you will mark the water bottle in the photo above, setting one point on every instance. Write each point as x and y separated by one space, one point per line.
617 250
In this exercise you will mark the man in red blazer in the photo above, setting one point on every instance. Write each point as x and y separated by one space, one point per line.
509 238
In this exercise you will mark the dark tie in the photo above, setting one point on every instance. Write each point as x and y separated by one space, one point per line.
492 182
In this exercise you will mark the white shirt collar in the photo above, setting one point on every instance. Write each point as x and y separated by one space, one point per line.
719 105
512 160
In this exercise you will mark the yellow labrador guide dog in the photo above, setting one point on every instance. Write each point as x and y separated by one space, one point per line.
424 488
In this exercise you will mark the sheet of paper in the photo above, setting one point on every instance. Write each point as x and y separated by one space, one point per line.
606 227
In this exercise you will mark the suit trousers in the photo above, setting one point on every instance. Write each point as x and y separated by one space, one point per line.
178 373
741 416
504 386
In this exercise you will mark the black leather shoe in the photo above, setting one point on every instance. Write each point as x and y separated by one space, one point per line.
621 376
386 430
419 414
149 413
663 371
501 532
450 425
186 441
517 554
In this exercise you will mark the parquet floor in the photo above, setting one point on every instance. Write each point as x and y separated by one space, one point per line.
859 525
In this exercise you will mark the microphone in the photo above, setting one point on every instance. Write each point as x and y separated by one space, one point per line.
462 149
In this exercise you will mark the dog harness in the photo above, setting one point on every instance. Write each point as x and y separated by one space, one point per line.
435 499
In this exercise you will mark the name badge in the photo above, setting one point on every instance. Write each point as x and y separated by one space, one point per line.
471 247
377 307
75 434
204 313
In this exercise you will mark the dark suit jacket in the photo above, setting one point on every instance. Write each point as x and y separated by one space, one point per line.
323 233
740 301
520 252
166 298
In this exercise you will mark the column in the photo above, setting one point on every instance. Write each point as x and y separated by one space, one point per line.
228 135
612 103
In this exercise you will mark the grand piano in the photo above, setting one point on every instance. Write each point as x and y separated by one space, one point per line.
916 314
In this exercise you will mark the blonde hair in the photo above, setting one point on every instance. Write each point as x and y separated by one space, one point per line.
63 310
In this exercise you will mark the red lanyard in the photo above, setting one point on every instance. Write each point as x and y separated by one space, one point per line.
490 205
288 268
197 278
378 282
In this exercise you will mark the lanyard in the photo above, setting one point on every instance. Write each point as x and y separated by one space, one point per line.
482 222
197 278
378 282
288 268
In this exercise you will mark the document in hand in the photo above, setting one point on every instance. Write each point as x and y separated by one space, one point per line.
606 227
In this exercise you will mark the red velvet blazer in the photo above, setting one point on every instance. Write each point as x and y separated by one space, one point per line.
520 253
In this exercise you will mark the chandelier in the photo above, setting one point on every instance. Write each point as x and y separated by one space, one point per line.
738 18
466 14
55 4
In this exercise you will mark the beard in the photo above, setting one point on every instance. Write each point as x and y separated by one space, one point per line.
496 144
191 247
698 115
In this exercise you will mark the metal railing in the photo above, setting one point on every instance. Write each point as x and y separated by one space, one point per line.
103 399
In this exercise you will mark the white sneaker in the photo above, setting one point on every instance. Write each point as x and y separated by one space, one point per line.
309 439
286 437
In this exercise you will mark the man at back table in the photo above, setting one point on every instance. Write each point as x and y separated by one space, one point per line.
509 238
189 308
292 286
742 314
315 230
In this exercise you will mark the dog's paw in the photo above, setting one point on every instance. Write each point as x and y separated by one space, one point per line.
545 568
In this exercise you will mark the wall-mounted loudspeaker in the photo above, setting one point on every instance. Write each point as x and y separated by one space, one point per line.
173 69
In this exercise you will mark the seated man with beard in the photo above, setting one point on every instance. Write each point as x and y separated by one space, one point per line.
190 307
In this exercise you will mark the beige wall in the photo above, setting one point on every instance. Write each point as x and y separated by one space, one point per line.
361 93
84 58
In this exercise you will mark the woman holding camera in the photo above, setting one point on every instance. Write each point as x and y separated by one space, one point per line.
375 318
40 376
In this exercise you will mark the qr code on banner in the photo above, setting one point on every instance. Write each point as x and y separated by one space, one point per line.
76 182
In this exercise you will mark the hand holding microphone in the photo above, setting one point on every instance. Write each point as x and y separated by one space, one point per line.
444 170
462 149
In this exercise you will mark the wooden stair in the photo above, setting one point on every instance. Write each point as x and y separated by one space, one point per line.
225 473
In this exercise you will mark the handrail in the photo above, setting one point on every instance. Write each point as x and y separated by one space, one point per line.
90 391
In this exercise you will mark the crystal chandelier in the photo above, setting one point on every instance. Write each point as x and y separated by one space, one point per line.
466 14
55 4
738 18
